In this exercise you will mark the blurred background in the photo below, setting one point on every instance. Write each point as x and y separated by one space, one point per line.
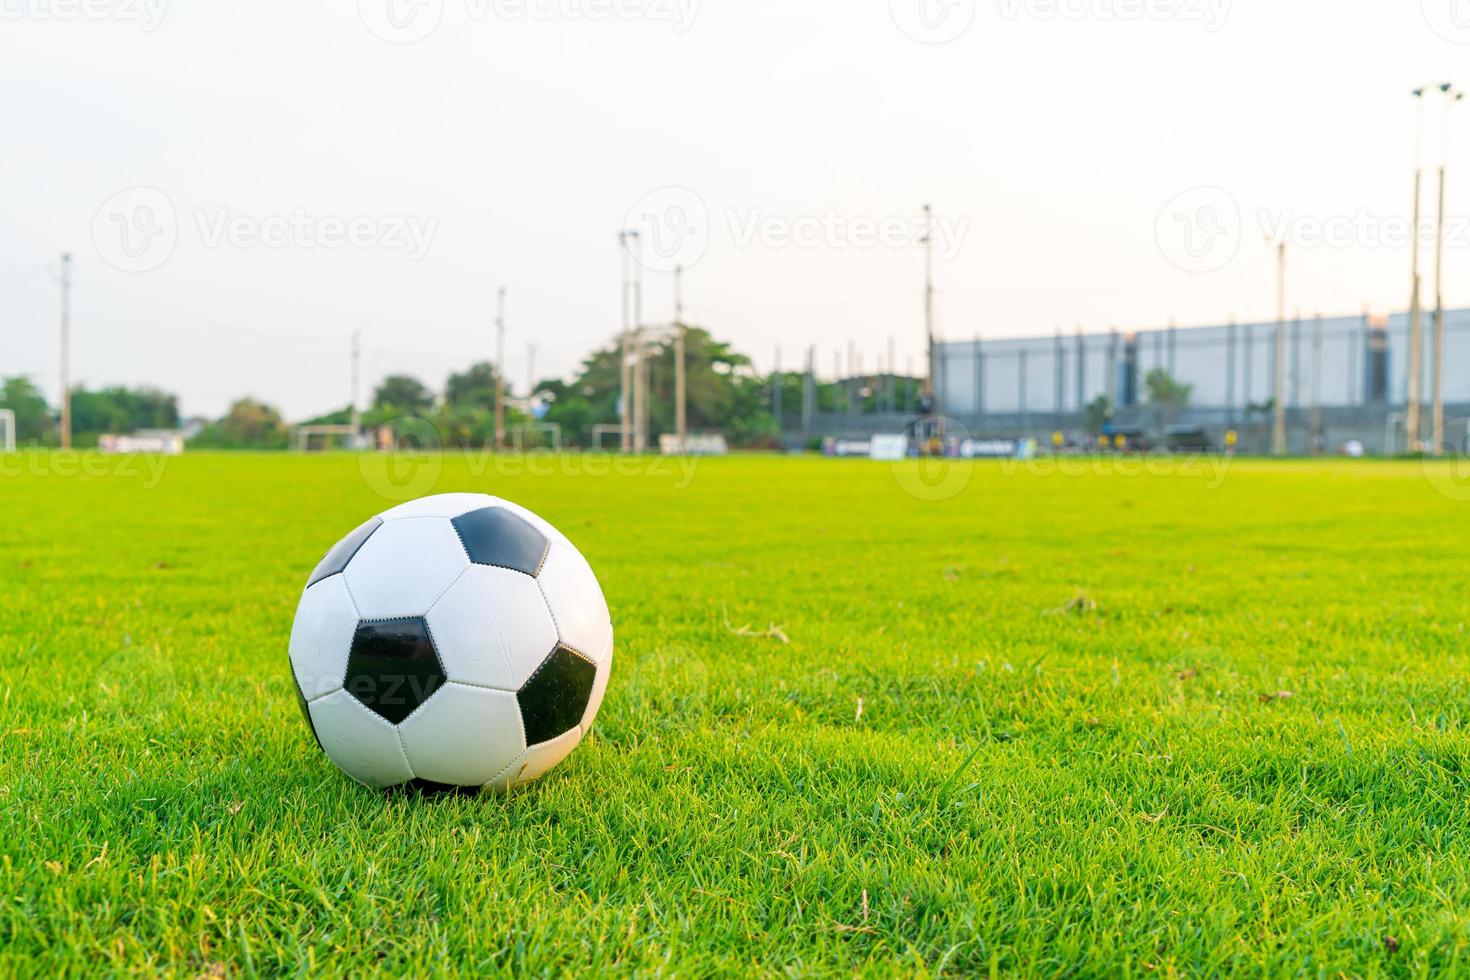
277 215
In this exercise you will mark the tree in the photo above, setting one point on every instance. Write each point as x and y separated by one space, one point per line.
722 388
1166 396
474 387
1099 413
250 424
403 395
122 410
32 416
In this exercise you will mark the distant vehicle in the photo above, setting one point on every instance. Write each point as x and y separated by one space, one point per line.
1187 438
1126 439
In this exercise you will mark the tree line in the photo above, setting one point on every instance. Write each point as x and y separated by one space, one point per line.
723 394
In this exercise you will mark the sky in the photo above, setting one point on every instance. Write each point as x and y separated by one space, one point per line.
244 186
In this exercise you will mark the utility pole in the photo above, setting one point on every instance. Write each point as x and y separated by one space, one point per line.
892 376
1316 385
356 373
1278 428
640 373
1437 419
778 381
500 368
931 387
1416 326
66 350
530 375
681 411
625 394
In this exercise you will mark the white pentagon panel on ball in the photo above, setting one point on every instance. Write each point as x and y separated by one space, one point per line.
445 505
535 520
463 736
361 744
321 637
599 686
536 761
577 606
404 567
492 628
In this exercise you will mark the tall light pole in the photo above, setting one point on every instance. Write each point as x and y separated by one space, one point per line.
500 368
931 386
640 369
681 415
1436 425
1278 424
66 350
356 371
625 402
530 374
1416 326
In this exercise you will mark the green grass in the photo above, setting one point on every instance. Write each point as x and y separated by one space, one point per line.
1040 727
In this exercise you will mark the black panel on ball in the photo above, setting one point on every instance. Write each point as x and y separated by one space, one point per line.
393 667
305 710
495 536
555 698
342 552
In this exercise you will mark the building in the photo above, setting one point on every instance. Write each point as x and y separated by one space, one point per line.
1331 362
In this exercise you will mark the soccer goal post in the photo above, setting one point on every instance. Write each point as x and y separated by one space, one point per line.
536 435
7 430
328 433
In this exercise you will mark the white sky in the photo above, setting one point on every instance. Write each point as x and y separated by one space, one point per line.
519 134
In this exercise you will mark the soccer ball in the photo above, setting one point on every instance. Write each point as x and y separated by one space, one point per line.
452 641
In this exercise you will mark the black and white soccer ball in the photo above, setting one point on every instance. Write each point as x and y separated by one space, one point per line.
453 641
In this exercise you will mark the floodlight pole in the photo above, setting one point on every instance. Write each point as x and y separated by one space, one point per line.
356 371
1278 427
66 350
1452 96
681 413
625 404
530 374
640 373
1316 385
500 368
931 386
1416 326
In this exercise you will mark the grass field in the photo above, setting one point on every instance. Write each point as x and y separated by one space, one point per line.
1060 723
